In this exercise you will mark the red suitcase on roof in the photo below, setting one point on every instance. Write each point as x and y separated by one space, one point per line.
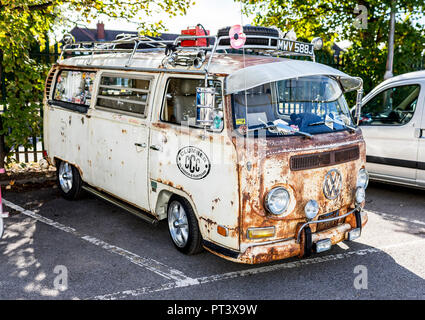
195 31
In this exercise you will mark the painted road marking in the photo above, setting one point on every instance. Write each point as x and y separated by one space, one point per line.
181 280
150 264
243 273
394 217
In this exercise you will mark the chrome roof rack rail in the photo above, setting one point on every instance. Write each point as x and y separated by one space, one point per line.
273 46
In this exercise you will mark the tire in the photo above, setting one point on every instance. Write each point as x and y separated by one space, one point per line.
69 180
254 31
191 243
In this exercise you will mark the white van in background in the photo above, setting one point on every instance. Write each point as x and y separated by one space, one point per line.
393 125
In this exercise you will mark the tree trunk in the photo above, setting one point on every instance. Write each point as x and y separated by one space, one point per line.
390 58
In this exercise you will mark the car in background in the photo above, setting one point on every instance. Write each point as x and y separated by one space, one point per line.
393 125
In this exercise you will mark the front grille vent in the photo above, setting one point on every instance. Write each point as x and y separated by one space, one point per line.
324 159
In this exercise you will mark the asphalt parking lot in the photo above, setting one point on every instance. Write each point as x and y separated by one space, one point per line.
106 253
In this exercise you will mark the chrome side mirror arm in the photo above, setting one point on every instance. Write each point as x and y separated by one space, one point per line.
359 102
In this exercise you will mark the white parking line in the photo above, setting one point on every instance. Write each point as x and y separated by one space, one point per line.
243 273
150 264
180 280
394 217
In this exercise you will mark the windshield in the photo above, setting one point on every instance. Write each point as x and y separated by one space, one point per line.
313 105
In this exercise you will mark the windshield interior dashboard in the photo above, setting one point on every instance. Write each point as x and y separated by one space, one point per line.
312 105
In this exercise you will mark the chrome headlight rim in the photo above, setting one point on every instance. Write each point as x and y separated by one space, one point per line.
363 173
269 205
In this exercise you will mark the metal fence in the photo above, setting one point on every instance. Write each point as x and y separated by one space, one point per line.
33 154
47 56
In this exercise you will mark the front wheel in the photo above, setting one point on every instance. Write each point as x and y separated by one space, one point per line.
68 180
183 226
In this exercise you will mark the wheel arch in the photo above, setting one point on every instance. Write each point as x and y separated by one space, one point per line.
57 159
164 195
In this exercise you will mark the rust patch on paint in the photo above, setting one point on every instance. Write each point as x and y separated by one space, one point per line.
211 227
269 168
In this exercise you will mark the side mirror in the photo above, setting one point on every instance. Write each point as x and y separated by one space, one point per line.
68 39
205 105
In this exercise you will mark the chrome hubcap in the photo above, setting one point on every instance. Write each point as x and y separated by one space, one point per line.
177 223
65 176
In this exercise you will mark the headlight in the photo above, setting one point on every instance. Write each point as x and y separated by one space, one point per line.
360 195
311 209
362 178
317 43
277 200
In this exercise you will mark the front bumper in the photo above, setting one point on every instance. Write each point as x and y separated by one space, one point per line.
293 247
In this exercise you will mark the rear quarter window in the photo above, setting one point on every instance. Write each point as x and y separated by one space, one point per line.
73 89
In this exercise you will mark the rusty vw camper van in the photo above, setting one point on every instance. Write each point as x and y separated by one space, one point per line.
251 155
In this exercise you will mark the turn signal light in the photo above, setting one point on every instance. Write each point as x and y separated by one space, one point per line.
258 233
222 231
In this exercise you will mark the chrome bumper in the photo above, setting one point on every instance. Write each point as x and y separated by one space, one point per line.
358 209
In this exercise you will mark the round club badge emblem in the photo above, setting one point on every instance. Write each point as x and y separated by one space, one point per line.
193 163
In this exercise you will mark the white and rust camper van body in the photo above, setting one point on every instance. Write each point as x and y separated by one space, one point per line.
142 161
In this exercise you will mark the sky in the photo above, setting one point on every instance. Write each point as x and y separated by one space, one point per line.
212 14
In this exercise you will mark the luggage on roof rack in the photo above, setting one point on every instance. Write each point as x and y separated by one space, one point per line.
258 39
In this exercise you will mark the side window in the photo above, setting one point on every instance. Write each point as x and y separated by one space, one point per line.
394 106
125 94
180 100
74 89
254 106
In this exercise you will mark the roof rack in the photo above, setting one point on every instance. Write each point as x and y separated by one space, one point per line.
273 46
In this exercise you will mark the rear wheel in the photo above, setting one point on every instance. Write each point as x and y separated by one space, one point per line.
183 226
69 180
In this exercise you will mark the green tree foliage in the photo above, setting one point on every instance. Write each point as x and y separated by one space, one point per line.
24 24
334 20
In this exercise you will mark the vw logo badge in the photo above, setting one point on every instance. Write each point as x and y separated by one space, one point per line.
332 184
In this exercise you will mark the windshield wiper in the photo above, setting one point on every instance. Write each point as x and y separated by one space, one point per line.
330 120
280 127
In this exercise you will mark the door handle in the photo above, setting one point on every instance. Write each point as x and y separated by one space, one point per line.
155 147
419 133
141 145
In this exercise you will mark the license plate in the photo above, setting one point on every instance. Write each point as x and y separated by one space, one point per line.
329 224
296 47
